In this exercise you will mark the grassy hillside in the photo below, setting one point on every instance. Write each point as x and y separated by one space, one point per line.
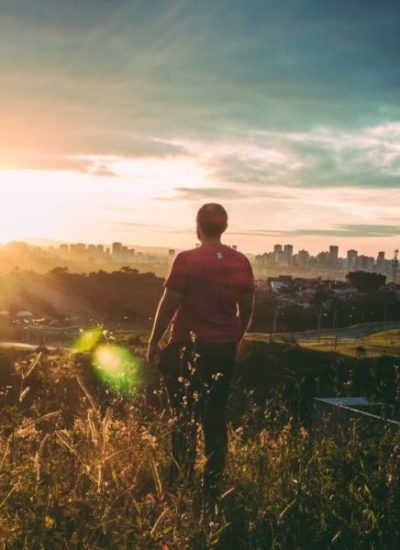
84 464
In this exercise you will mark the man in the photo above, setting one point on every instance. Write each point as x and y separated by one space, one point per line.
209 297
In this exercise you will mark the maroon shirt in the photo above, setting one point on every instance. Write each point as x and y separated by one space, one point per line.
211 278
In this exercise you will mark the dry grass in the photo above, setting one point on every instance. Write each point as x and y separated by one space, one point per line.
81 468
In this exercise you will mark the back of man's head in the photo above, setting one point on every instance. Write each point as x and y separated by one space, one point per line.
213 219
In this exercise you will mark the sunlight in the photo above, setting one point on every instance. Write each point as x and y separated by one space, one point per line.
117 367
31 202
88 340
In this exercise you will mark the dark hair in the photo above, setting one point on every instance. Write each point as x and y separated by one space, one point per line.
213 219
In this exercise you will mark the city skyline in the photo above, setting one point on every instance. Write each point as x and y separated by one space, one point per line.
278 248
120 119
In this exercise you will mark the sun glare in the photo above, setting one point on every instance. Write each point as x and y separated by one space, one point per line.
27 205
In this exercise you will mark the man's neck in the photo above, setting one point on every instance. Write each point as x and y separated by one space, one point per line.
210 240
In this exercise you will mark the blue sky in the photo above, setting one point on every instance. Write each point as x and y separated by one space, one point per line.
288 112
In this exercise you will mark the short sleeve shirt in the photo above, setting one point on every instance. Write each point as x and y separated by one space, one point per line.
212 279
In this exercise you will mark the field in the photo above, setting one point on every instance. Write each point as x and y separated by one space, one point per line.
84 461
376 344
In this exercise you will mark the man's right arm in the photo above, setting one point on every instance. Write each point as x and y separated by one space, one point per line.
169 303
246 306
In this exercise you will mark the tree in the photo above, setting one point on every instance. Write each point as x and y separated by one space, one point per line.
366 282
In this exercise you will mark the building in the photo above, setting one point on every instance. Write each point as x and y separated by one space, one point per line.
78 248
303 258
277 253
116 249
287 254
351 259
333 255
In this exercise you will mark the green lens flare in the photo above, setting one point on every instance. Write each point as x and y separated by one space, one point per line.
88 340
117 367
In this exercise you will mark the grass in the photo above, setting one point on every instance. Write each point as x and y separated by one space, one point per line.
376 344
81 467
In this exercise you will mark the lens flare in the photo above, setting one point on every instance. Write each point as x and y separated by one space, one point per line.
88 340
117 368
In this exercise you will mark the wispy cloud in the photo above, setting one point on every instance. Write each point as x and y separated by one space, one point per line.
200 193
340 230
115 74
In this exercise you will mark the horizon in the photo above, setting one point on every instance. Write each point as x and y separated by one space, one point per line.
119 120
47 244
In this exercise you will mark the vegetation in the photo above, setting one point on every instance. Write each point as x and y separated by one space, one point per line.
380 343
127 296
366 282
82 466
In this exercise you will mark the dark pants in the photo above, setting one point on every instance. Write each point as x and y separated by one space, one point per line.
197 376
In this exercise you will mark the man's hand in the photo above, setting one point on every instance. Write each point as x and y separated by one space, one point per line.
168 305
153 354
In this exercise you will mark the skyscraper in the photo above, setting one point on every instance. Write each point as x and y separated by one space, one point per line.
287 254
351 259
277 253
380 260
333 255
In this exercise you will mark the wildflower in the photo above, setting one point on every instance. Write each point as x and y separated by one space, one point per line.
264 437
49 522
150 439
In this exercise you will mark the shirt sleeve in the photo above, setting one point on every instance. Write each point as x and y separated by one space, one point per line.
177 278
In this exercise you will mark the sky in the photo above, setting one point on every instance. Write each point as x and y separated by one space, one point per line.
119 119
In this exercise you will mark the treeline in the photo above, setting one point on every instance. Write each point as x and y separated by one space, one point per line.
124 295
130 296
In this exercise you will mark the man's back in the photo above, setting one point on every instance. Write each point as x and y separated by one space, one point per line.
212 279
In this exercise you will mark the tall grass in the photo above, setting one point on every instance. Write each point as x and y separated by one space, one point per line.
89 470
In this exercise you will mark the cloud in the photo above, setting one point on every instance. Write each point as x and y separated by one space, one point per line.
103 171
368 157
261 169
371 230
28 160
282 99
113 74
204 193
339 230
227 193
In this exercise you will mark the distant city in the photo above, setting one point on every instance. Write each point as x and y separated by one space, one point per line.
281 260
328 261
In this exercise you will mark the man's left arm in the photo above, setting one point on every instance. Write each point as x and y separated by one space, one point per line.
168 305
246 307
246 301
